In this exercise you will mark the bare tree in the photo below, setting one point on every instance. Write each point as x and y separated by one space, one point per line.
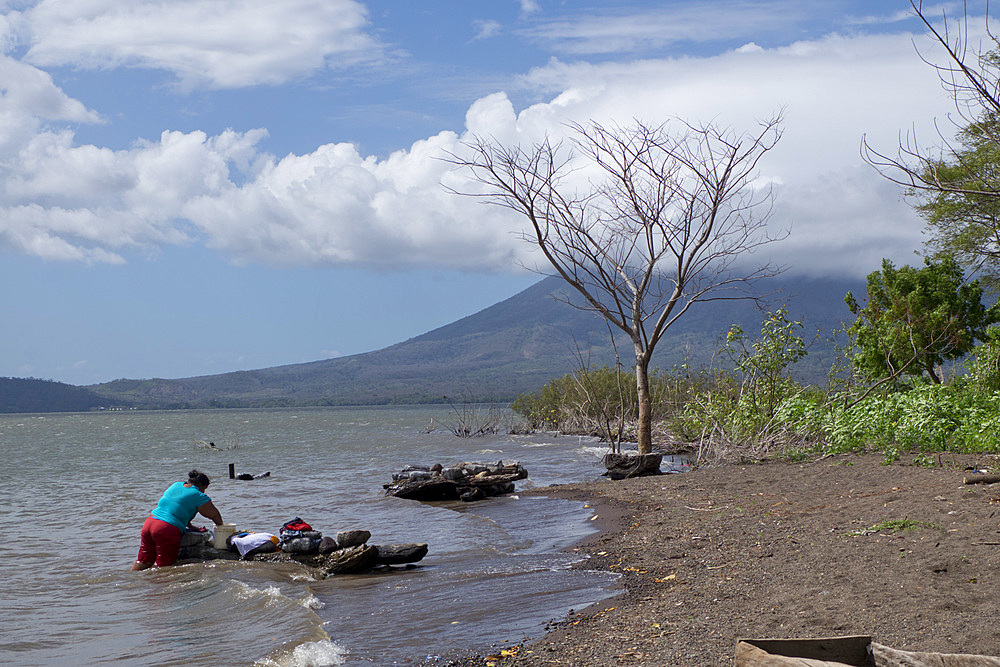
658 227
956 182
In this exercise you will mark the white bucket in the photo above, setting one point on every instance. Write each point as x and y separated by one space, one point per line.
222 531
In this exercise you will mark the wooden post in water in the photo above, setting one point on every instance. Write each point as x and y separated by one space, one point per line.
232 471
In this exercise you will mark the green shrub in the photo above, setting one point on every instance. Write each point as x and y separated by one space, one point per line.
984 365
960 416
754 410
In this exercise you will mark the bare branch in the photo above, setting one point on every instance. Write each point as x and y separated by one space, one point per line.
972 78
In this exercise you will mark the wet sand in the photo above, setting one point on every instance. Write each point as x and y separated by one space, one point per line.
906 554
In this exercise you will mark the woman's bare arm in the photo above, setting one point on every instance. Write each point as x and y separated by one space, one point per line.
209 511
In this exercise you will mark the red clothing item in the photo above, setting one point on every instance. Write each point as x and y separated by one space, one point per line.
160 541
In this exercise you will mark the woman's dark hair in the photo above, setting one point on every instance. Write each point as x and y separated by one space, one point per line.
198 479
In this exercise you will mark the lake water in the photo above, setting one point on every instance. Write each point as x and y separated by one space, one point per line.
77 488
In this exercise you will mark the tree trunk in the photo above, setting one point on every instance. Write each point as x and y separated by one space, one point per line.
934 376
645 425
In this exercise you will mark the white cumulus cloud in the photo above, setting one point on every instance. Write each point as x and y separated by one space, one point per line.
28 97
337 207
204 43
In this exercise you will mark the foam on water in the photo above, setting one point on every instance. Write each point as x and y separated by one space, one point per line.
311 654
274 596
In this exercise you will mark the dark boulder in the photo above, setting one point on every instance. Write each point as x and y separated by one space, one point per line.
352 538
400 554
350 560
465 481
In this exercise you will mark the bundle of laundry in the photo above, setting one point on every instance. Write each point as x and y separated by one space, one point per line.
298 537
249 543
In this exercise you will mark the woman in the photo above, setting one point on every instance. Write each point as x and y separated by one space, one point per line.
160 541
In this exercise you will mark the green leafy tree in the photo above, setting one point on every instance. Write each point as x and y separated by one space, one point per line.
915 319
957 182
963 215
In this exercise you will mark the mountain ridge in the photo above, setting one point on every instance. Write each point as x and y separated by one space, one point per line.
28 395
514 346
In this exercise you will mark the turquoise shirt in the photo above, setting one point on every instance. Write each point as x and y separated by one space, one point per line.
179 504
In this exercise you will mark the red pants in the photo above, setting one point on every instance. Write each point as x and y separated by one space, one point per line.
160 541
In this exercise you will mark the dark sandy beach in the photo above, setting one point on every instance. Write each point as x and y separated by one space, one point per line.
906 554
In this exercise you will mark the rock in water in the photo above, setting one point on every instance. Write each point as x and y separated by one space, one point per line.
198 547
194 538
400 554
328 544
465 481
350 560
352 538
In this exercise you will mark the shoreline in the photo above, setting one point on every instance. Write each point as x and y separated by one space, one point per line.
909 555
609 520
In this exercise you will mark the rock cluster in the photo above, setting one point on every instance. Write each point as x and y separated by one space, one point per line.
465 481
348 553
352 560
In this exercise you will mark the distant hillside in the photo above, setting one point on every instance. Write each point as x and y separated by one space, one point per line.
29 395
514 346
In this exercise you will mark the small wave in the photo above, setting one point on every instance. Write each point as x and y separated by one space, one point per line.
311 602
273 595
311 654
248 592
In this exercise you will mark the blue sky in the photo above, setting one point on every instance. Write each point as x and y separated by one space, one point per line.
200 186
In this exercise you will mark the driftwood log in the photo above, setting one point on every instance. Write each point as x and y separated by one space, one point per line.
890 657
465 481
857 651
982 479
823 652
